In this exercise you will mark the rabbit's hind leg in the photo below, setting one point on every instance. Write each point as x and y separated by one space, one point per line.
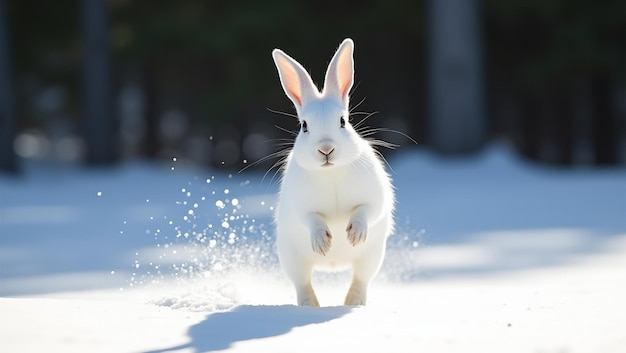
357 294
364 269
306 295
300 275
363 274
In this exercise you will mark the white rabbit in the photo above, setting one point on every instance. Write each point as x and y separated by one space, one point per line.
336 201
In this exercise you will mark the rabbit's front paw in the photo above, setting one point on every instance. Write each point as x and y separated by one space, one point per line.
321 240
357 231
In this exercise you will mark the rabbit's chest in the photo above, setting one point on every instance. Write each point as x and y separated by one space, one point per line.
336 197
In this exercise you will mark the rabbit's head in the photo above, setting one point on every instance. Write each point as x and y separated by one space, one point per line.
326 139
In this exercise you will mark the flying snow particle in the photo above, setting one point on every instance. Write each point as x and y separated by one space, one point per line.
225 225
220 204
234 202
226 191
99 193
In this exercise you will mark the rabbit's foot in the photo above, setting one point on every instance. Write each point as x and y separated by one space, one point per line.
357 230
357 294
307 297
321 240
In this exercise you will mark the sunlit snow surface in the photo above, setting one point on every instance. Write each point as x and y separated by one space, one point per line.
484 246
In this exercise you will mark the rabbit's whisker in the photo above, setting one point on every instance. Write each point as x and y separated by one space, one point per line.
255 163
367 116
282 113
290 132
356 105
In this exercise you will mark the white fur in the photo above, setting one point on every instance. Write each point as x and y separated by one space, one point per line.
339 214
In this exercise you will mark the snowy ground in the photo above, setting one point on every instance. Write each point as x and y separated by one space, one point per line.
492 254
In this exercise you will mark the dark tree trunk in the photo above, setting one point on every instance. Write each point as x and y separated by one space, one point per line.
605 126
564 128
100 124
8 161
530 139
456 115
151 142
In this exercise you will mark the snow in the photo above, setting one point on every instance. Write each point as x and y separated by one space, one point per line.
491 254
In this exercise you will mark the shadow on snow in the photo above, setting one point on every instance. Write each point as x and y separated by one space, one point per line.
246 322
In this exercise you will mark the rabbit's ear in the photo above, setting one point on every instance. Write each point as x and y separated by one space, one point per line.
295 80
340 73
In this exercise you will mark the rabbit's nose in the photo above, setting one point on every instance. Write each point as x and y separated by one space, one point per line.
326 150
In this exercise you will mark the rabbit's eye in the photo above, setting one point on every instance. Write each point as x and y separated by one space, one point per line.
305 127
342 122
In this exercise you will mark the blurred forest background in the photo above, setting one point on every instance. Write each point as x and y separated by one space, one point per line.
98 82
